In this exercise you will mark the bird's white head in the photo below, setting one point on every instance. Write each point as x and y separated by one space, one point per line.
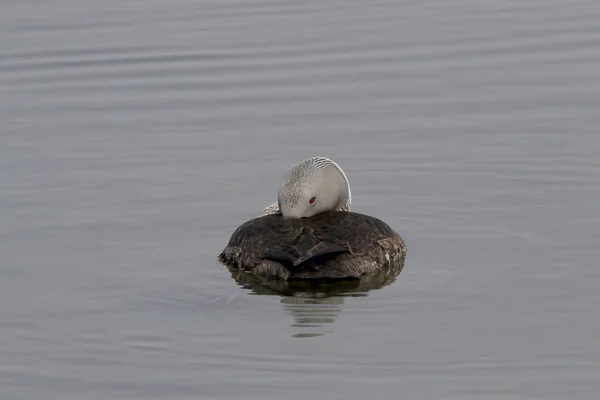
313 186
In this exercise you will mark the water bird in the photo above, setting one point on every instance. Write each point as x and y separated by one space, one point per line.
310 232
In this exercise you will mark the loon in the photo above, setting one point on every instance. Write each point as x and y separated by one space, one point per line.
310 232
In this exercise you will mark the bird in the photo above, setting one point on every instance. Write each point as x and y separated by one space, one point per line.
310 233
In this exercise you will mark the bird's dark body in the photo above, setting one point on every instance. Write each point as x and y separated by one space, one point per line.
330 246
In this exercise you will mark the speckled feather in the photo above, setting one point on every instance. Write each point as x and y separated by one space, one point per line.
331 245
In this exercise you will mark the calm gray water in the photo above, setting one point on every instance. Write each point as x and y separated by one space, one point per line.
136 136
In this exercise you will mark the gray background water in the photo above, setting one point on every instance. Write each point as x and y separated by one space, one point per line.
135 137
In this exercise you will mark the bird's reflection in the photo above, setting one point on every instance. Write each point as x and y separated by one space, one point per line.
315 305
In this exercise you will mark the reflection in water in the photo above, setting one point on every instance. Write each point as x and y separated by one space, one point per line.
312 313
314 305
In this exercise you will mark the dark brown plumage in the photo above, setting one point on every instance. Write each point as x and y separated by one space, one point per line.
332 245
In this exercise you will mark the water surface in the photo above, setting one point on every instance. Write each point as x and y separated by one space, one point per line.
136 136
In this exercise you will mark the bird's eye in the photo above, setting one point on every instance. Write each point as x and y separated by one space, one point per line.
312 200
